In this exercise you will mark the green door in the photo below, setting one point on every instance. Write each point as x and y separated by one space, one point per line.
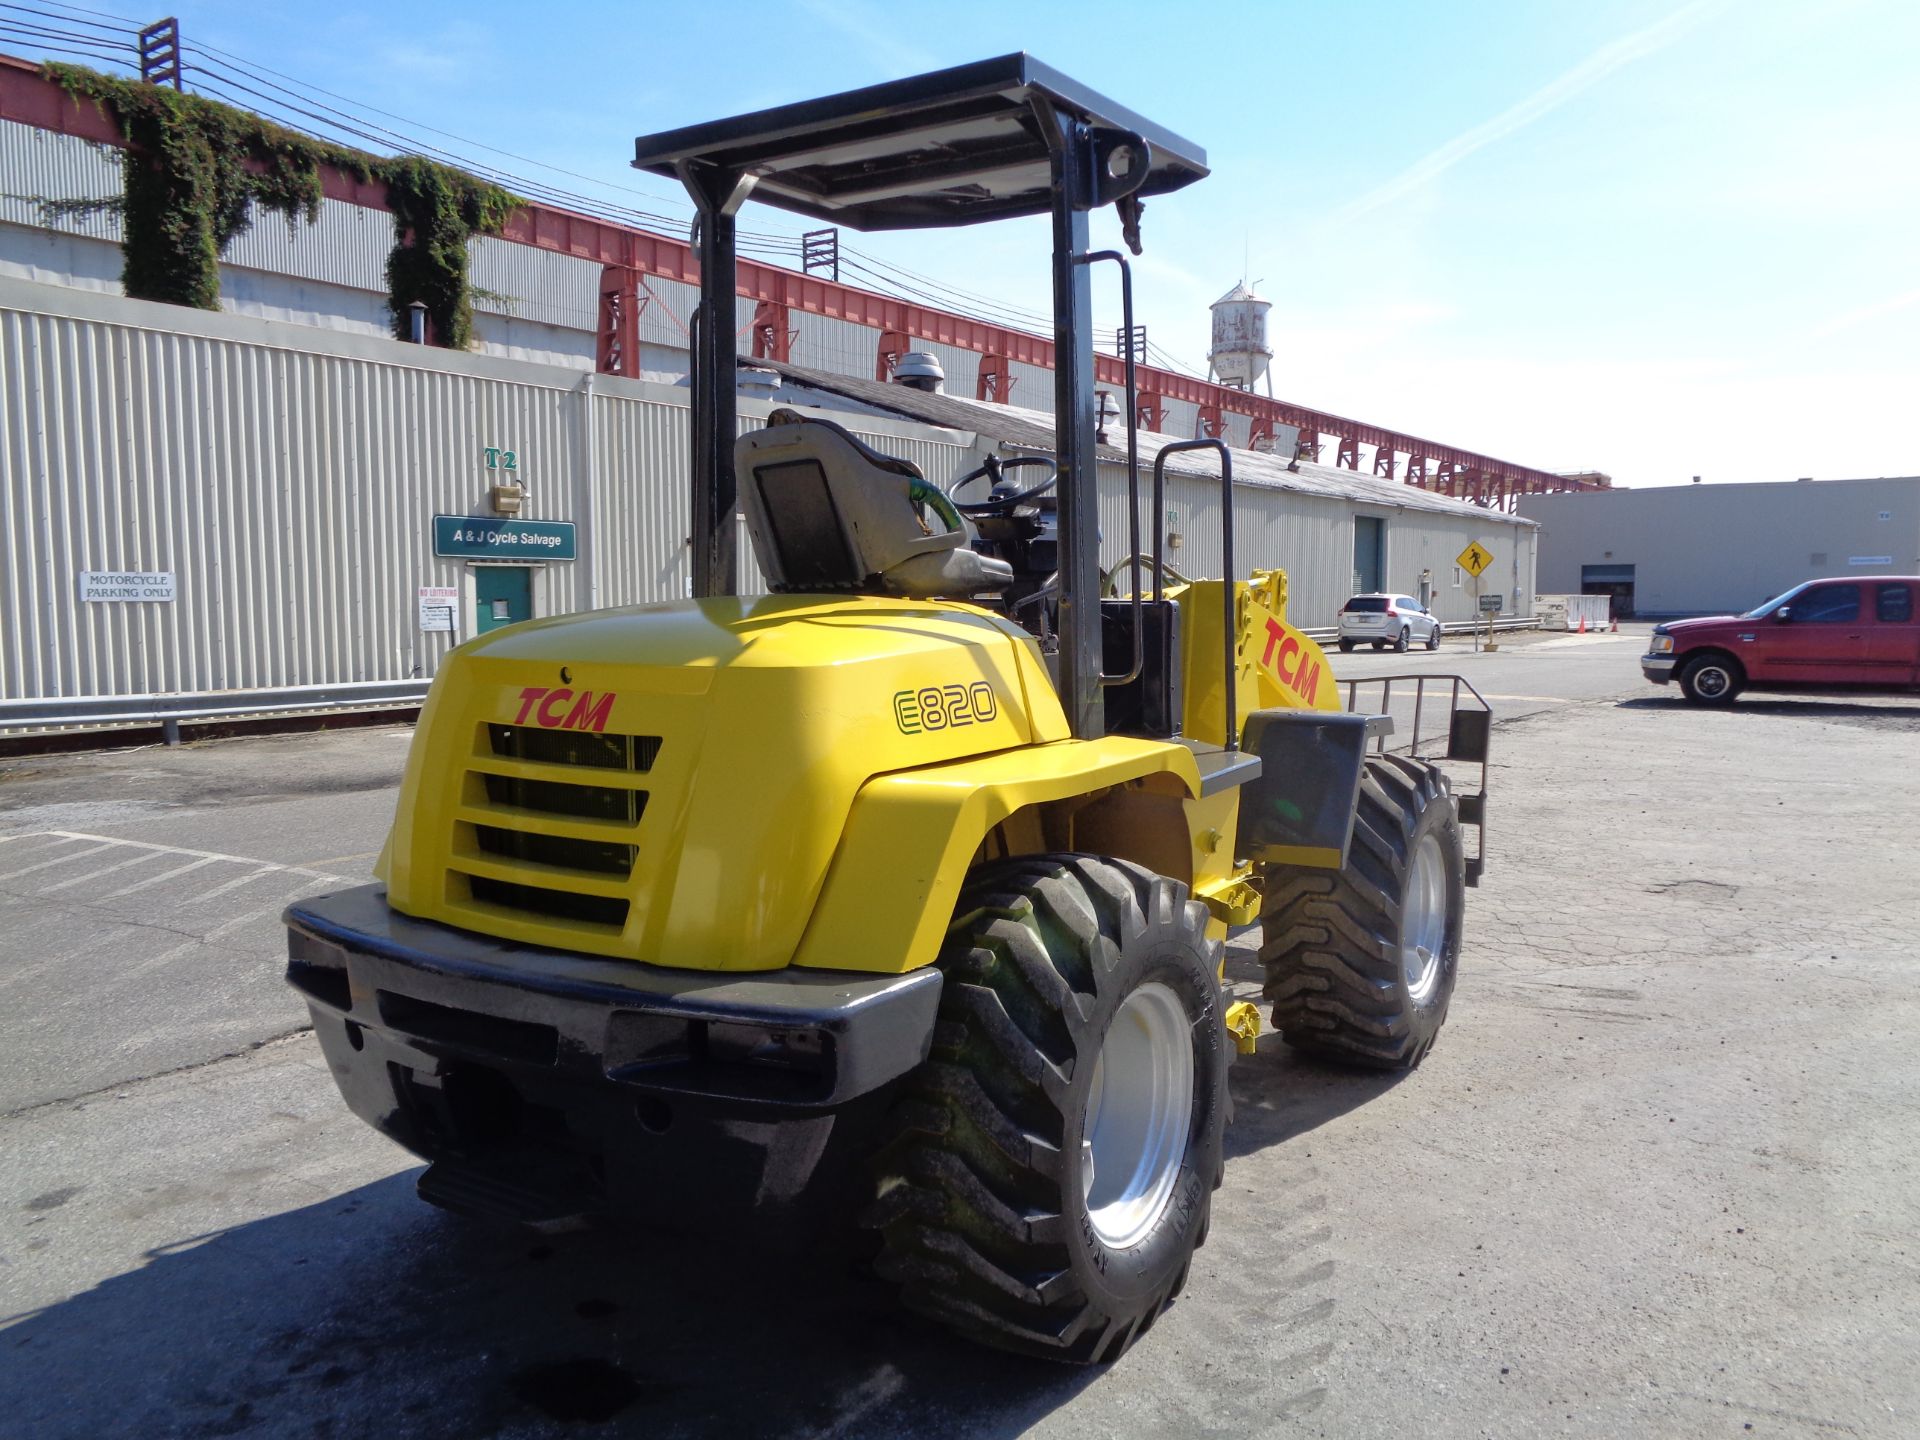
504 594
1369 545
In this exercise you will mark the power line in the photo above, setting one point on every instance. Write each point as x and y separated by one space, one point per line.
1171 363
58 18
345 124
929 282
353 124
900 281
258 71
125 20
52 48
294 103
992 314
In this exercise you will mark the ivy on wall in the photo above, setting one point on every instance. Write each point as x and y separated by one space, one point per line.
440 208
196 170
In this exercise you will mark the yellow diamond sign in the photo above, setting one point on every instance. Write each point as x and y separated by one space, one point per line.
1475 559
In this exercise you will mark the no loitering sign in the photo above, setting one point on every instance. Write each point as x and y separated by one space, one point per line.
103 585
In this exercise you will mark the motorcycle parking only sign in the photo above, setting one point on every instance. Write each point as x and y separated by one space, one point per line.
97 586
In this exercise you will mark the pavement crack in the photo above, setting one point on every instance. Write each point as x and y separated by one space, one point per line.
120 1085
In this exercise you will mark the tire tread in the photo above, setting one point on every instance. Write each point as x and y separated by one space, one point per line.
1329 939
970 1190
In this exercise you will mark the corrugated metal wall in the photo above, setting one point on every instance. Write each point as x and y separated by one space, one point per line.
532 304
287 478
1310 536
36 163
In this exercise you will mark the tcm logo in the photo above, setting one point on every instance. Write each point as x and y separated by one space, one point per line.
1286 657
564 710
944 707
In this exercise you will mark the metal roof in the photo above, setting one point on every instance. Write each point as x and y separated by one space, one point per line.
947 148
1033 430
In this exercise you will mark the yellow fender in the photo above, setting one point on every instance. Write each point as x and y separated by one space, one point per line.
911 837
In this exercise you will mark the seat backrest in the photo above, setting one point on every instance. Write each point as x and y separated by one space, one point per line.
826 511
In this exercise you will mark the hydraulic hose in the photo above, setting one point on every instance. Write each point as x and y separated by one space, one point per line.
923 492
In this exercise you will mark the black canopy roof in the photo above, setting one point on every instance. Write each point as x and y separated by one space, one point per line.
949 148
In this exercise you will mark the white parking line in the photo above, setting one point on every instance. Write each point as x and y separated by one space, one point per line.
139 859
200 854
220 890
163 958
59 859
65 841
137 887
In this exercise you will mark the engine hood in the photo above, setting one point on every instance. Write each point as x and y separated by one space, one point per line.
668 782
1699 622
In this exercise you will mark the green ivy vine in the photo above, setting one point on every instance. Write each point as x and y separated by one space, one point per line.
196 170
440 208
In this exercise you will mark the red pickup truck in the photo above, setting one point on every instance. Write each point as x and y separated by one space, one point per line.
1859 634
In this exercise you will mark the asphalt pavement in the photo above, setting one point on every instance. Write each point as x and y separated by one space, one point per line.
1661 1176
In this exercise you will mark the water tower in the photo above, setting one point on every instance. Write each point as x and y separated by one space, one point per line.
1240 353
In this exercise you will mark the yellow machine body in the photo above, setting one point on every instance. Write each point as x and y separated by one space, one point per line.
747 784
1276 666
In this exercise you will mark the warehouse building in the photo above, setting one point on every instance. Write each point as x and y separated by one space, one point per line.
1334 532
1714 549
279 505
243 512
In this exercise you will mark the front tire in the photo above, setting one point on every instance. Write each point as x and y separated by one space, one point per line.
1360 964
1054 1159
1433 637
1711 679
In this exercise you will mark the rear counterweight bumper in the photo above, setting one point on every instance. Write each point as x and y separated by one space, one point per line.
545 1084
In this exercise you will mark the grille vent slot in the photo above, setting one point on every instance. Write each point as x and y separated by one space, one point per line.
574 747
583 802
600 857
597 789
560 904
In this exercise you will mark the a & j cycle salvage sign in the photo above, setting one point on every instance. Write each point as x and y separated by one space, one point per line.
475 537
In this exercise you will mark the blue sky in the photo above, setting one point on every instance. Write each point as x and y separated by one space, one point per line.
1655 238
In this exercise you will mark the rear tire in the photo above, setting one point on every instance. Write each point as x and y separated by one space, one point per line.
1360 964
1711 679
1400 641
1081 1004
1346 647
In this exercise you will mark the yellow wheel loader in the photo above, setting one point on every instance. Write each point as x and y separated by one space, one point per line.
897 897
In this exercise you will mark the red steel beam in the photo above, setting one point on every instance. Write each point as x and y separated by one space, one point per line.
994 383
30 98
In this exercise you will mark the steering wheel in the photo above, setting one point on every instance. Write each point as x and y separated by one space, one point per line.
1001 504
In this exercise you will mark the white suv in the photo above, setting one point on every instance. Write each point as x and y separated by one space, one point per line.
1383 620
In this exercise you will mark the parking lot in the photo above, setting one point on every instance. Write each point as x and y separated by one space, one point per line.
1661 1176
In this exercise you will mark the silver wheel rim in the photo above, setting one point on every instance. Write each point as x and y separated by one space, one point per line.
1711 681
1139 1109
1423 920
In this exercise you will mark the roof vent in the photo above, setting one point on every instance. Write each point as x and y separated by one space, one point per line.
921 370
756 381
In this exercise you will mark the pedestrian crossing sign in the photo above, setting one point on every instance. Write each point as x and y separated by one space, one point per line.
1475 559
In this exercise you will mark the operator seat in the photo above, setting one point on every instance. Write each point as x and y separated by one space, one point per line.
827 511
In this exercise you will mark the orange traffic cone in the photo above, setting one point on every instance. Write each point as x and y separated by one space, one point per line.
1616 626
1583 624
